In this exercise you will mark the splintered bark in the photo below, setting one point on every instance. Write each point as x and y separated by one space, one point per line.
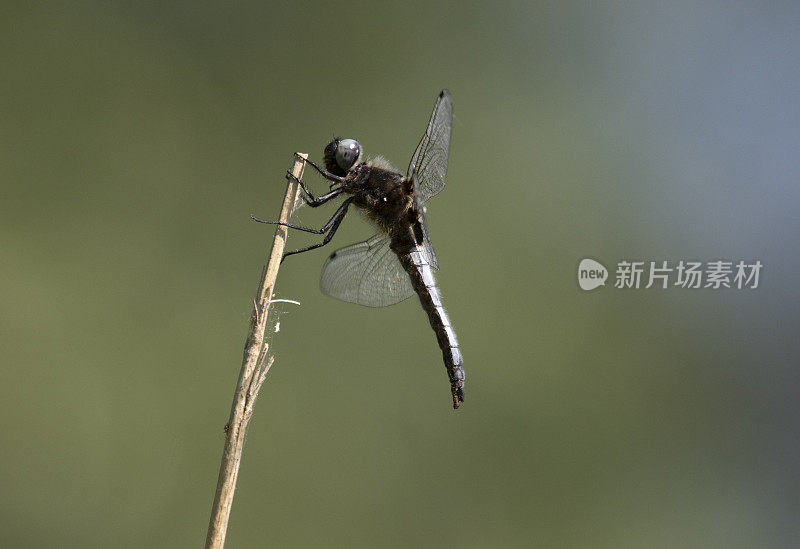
255 366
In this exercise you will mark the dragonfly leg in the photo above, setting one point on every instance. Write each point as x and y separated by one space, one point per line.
332 224
326 174
312 200
330 227
282 224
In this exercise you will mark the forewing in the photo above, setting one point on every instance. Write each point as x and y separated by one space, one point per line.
430 158
367 273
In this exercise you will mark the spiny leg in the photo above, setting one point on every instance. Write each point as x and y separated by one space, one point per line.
290 175
341 211
282 224
337 220
326 174
312 200
332 224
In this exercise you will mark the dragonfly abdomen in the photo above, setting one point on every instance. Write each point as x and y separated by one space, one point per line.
424 284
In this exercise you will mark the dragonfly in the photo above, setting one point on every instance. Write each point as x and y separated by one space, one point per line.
399 259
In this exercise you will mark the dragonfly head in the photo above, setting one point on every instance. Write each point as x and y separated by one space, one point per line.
341 155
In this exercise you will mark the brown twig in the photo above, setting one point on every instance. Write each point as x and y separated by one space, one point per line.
255 366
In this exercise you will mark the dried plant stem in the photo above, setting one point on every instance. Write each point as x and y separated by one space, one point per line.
253 373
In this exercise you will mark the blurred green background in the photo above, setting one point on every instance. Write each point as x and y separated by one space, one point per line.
136 139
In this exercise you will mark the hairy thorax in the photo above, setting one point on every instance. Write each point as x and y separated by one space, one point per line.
384 195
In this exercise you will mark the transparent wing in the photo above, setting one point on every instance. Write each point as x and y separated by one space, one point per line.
427 245
430 158
367 273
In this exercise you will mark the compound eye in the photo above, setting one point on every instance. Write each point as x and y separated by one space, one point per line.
347 153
